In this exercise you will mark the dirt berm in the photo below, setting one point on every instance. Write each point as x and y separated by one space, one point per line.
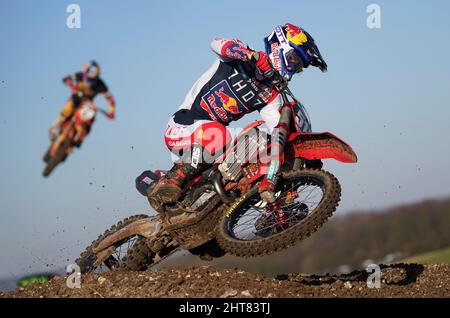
398 280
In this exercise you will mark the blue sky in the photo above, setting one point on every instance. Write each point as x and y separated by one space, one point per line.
386 93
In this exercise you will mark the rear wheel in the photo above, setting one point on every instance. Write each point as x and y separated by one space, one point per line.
305 199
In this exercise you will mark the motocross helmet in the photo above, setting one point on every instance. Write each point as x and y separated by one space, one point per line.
291 49
91 70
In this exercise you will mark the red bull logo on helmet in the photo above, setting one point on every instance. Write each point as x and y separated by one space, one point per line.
295 34
275 57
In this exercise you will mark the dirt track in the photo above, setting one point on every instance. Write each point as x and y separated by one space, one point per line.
398 280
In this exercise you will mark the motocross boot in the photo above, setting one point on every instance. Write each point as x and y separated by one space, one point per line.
169 188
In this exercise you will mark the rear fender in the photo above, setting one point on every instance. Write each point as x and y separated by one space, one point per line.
313 146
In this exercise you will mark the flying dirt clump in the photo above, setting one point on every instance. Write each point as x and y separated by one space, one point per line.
398 280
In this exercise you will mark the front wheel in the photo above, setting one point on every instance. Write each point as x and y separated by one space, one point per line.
53 161
111 259
132 252
305 199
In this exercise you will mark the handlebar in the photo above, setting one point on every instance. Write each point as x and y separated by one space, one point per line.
96 108
104 112
277 80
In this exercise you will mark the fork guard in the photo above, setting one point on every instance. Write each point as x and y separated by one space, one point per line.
313 146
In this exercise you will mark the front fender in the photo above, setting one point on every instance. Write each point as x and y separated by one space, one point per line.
313 146
146 227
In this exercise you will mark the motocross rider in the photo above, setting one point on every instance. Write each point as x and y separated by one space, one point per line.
86 84
239 82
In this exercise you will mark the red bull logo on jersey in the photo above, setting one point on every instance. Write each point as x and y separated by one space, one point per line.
220 102
295 35
228 103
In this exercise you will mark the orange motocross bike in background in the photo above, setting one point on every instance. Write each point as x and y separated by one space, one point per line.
72 133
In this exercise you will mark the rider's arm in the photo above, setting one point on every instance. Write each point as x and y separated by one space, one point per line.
112 104
71 79
229 50
103 89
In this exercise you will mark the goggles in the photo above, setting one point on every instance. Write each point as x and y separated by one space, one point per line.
294 64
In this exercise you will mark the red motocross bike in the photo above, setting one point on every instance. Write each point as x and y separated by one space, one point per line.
72 133
222 212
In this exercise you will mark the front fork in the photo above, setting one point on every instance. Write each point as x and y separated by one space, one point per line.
279 137
79 133
58 141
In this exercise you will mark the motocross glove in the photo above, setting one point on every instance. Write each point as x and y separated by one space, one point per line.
263 64
111 115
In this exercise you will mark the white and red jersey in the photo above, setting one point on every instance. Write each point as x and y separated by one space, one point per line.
229 89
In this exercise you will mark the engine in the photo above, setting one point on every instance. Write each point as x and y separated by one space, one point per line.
246 149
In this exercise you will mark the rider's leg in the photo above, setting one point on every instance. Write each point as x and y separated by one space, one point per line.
169 188
205 139
65 114
83 130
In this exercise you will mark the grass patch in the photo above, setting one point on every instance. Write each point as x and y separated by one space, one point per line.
436 257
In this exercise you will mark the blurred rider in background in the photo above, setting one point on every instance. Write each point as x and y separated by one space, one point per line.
86 84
